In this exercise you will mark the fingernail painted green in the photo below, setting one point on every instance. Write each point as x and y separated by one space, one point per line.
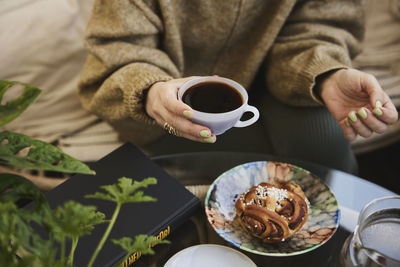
204 133
347 123
378 104
378 112
209 140
352 116
187 114
362 113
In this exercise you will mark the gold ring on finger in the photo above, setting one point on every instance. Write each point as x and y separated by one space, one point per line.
169 129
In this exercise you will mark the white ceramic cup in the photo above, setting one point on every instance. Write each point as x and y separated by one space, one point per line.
218 123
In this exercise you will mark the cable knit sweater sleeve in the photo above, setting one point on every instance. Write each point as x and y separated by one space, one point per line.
318 36
122 39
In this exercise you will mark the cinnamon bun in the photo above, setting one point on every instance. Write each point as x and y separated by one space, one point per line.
272 212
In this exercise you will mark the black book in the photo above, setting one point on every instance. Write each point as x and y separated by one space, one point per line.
174 204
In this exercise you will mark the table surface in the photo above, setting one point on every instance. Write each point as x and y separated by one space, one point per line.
202 168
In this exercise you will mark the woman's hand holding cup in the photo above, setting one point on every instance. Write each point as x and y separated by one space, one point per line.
163 105
199 108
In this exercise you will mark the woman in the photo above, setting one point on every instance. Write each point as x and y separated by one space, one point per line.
142 51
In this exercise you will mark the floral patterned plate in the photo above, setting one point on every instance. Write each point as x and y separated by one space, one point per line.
322 222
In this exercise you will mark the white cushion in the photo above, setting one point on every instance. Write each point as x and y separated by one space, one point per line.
42 44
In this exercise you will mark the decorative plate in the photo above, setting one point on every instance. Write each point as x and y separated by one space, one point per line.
323 217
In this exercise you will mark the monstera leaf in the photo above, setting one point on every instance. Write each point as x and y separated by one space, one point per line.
12 109
14 187
22 151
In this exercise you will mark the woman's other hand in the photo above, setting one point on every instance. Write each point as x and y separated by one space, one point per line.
357 102
163 106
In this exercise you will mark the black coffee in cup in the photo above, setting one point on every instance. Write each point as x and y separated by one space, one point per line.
213 97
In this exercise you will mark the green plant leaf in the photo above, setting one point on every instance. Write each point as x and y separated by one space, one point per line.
22 151
6 260
15 229
17 221
14 188
142 243
120 193
12 109
71 221
74 219
125 191
7 232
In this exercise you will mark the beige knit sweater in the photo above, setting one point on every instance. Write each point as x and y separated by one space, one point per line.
135 43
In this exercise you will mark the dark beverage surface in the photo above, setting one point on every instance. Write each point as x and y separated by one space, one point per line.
212 97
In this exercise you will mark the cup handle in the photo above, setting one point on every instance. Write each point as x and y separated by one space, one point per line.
250 121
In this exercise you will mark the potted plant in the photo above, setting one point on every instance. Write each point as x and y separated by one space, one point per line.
20 245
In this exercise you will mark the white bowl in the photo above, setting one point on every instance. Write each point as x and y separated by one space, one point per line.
209 255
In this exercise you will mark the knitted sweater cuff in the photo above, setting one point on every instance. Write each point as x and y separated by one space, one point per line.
317 68
138 81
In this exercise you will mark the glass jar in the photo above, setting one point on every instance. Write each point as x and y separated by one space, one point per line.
376 238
